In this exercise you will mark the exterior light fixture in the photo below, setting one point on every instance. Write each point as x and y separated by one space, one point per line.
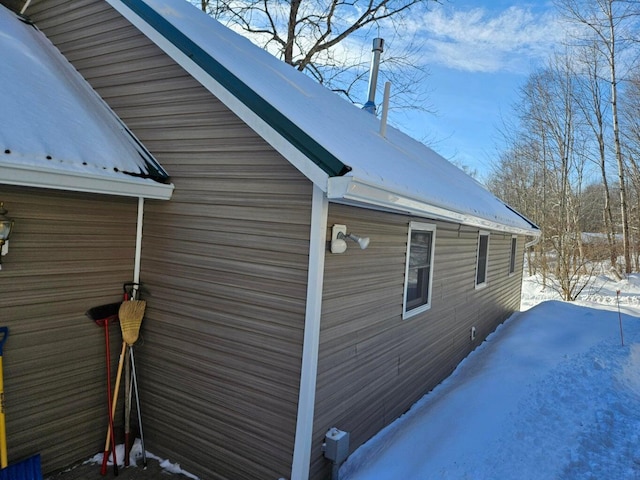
339 237
6 225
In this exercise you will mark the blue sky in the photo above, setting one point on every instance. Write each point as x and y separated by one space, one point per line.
479 53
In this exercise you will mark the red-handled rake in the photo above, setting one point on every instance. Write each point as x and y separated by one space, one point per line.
102 315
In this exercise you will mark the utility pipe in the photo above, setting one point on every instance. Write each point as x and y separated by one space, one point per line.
385 109
378 48
25 6
138 255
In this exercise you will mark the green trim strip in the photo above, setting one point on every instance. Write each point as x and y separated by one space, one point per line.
258 105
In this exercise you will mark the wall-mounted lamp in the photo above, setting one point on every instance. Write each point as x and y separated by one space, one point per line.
338 239
6 225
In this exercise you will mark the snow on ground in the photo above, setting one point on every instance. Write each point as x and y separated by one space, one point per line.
136 456
551 394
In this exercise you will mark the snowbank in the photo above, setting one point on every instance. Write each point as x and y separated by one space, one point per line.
551 394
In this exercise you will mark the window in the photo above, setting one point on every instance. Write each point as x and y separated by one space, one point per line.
419 268
483 254
512 256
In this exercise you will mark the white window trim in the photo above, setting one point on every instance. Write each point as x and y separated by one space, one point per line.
514 253
479 286
430 227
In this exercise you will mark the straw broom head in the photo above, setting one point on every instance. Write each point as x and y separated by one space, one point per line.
131 313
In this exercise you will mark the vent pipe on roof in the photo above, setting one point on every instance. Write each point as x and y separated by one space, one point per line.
378 47
385 109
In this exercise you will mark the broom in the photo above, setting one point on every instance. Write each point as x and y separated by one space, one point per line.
131 314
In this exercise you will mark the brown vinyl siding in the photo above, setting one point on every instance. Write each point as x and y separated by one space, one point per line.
225 269
224 262
373 365
68 253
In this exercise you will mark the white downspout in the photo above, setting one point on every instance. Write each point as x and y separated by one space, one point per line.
311 341
136 265
25 6
533 242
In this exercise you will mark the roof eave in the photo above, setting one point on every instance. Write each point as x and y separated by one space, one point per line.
296 145
351 190
26 176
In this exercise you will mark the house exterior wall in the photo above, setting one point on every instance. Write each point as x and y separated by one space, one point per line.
67 254
373 365
224 263
225 269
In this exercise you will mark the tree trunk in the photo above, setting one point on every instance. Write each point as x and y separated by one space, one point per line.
624 208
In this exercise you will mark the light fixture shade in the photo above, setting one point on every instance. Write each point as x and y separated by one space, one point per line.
362 241
338 246
338 243
339 237
6 224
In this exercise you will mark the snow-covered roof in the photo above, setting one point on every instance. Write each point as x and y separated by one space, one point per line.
56 132
336 145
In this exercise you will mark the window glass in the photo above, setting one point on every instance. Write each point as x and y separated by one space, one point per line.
512 258
419 267
483 249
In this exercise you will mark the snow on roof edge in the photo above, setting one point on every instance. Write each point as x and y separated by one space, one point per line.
181 45
64 128
350 190
127 186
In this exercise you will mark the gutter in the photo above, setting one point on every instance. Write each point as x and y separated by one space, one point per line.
351 190
69 180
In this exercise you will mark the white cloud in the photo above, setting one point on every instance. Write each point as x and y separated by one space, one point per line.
478 40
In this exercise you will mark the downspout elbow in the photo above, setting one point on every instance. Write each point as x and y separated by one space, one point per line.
533 242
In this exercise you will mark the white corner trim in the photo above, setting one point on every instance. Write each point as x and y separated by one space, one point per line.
40 177
311 345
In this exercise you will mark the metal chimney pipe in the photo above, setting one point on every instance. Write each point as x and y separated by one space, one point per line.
378 47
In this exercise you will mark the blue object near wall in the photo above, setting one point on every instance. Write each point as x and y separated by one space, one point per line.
28 469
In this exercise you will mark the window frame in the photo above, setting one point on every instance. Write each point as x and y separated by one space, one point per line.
422 227
512 255
483 284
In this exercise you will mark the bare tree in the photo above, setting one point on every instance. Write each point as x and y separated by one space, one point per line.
591 100
315 37
631 116
517 178
610 23
550 161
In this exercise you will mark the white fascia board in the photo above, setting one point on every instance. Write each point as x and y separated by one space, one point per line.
348 189
39 177
300 161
